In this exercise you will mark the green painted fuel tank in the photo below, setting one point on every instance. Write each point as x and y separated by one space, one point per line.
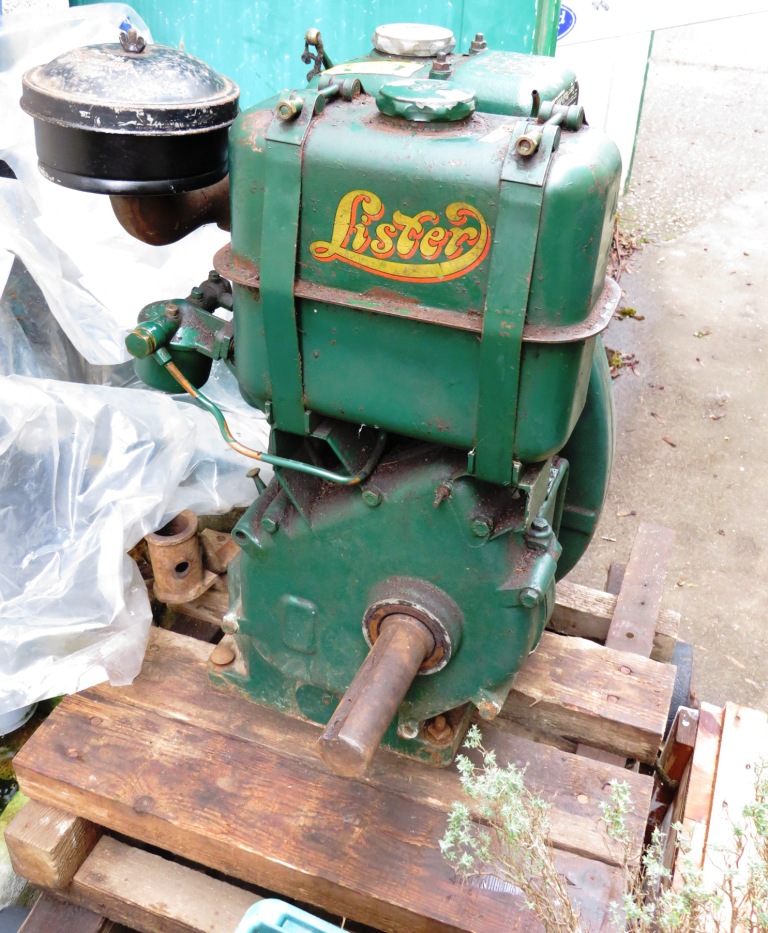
448 288
503 81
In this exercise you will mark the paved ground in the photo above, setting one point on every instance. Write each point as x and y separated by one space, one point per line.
693 435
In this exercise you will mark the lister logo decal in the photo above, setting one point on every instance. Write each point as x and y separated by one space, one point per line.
423 247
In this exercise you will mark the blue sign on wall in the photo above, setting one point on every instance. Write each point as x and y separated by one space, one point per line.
566 22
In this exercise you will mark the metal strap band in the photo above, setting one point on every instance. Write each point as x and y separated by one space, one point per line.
282 202
509 281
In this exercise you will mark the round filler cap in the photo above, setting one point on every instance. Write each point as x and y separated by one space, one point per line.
426 101
413 40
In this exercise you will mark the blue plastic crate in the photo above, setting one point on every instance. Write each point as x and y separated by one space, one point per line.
274 916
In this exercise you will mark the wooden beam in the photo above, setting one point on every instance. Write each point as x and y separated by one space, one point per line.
595 695
174 683
48 845
587 613
633 625
148 893
224 783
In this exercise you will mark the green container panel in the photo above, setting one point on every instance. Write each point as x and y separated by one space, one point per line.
373 363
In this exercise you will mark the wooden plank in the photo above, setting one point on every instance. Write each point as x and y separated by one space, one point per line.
633 625
640 586
587 613
673 761
250 812
152 894
174 681
700 787
48 844
592 694
51 914
742 744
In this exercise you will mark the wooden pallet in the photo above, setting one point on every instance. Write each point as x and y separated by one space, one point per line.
200 774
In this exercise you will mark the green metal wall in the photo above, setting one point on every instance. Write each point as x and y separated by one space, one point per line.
259 44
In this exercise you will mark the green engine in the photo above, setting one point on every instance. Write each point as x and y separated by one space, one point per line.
417 280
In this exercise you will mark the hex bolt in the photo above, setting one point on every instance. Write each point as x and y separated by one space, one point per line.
481 527
372 498
269 524
172 311
478 44
438 730
540 525
213 276
441 65
197 293
530 597
408 730
230 623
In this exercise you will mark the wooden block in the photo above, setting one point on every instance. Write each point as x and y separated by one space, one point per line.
210 607
149 893
633 625
587 613
592 694
51 914
48 845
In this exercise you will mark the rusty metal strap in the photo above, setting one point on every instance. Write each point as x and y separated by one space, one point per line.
282 205
514 248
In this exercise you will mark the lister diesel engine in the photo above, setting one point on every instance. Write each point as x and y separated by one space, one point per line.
417 280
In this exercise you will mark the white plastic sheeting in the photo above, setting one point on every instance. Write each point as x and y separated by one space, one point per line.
87 469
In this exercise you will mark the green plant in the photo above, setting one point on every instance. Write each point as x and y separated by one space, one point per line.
504 833
507 836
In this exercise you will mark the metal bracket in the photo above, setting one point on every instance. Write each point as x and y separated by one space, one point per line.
520 201
282 199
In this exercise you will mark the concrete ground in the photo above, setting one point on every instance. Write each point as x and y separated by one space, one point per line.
692 426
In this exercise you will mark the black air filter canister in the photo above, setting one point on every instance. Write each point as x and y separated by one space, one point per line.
130 118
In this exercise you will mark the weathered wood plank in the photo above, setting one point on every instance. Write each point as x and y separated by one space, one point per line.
587 613
248 811
700 785
174 682
51 914
152 894
673 761
48 845
633 625
593 694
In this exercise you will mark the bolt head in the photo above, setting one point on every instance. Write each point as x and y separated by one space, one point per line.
540 525
372 498
408 730
230 623
269 524
481 527
530 597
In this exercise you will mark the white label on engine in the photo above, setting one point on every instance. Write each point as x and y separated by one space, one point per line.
401 69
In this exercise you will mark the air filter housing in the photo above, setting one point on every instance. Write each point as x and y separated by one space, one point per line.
130 118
